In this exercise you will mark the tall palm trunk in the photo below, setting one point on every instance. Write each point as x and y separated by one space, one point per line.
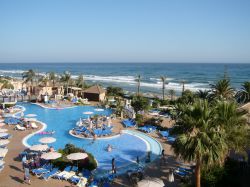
198 173
138 89
163 92
138 85
67 88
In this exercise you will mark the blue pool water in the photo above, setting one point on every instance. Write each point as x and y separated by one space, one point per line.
126 146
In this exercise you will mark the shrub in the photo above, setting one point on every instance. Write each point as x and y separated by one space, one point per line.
88 163
230 174
9 105
139 119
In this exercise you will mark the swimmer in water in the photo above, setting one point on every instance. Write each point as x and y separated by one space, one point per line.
109 148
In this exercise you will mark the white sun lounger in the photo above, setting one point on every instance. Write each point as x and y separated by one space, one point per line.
33 125
18 127
68 175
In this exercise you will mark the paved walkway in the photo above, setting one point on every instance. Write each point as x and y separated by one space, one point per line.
12 175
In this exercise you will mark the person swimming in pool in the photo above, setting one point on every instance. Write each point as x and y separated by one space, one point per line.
109 148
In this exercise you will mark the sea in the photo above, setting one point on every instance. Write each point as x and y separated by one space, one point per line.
197 76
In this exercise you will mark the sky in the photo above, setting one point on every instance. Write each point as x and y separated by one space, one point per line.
125 31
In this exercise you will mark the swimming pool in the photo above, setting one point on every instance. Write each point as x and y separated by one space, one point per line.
127 146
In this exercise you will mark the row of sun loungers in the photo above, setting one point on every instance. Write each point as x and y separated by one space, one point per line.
148 128
129 123
102 132
166 135
183 172
12 121
69 173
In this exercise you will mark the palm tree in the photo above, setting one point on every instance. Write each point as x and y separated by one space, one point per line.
138 80
231 119
7 85
183 85
202 94
29 76
163 79
44 80
52 77
66 78
171 93
80 81
222 90
243 95
197 138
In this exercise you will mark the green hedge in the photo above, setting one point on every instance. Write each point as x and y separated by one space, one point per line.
88 163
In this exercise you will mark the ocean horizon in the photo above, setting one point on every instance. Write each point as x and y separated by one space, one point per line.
198 76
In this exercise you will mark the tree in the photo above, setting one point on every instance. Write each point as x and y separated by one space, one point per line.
80 81
163 79
206 133
29 77
243 95
114 91
183 85
171 93
66 78
138 80
140 103
202 94
222 90
7 85
44 80
52 77
229 118
187 97
197 137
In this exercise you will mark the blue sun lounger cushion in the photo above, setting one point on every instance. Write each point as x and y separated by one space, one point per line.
50 174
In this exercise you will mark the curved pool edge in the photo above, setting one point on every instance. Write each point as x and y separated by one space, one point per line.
53 108
131 132
16 113
25 139
98 138
122 169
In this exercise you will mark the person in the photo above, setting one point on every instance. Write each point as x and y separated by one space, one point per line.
26 172
37 161
171 176
163 159
137 160
24 159
109 148
94 138
32 163
51 149
148 157
113 166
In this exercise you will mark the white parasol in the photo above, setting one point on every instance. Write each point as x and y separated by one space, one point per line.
77 156
3 130
99 109
4 142
39 147
47 140
30 115
150 182
3 152
51 155
88 113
